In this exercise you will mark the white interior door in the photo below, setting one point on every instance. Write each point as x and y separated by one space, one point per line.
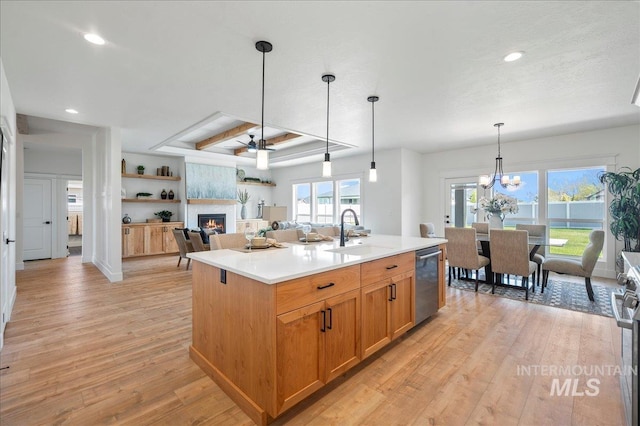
460 197
37 219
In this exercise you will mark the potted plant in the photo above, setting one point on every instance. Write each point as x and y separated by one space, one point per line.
243 197
141 170
143 195
624 186
165 215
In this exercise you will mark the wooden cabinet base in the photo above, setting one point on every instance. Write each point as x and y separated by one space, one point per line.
251 409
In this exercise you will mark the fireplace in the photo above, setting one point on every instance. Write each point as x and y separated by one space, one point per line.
212 223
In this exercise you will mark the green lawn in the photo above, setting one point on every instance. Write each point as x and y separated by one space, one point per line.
577 240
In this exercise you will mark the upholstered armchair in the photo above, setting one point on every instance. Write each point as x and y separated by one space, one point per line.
582 268
462 252
510 256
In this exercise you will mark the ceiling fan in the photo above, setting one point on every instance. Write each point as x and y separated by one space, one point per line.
252 146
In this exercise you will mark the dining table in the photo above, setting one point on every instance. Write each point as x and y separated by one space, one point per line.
535 242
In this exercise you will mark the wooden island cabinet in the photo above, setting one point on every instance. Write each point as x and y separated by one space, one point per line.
269 346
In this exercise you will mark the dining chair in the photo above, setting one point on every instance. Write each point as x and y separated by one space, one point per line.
183 248
510 256
427 230
196 241
539 256
481 227
283 235
582 268
227 241
462 252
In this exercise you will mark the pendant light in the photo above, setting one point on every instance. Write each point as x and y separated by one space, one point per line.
326 165
487 181
262 154
373 174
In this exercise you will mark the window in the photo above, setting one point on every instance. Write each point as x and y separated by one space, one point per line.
316 201
302 202
575 207
527 196
323 196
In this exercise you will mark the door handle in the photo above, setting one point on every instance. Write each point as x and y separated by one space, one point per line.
48 222
324 321
330 319
7 241
394 291
390 292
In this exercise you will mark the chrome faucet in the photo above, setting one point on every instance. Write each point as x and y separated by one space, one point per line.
342 236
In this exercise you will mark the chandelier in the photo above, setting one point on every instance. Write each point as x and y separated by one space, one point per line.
487 181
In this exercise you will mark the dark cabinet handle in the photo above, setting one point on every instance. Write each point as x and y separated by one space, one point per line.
390 293
48 222
324 321
7 241
392 267
394 291
321 287
330 318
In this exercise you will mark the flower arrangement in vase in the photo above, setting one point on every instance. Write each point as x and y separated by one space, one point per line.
499 205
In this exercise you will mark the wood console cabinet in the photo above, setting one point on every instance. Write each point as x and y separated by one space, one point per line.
144 239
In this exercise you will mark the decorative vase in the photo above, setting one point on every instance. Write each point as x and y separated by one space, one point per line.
171 194
243 212
163 194
495 222
126 218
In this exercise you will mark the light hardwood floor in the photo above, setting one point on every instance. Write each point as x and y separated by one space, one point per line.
82 351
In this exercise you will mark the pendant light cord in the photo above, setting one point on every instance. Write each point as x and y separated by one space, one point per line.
328 82
373 132
499 142
262 117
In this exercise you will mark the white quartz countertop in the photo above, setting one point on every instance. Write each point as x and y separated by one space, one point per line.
275 265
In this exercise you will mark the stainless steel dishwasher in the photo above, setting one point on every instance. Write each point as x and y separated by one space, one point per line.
427 261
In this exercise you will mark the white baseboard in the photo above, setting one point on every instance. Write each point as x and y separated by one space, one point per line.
107 272
19 266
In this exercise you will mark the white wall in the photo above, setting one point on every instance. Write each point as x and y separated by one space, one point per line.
107 255
389 206
60 162
622 144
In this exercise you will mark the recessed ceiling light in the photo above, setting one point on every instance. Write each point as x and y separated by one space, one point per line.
514 56
71 111
94 38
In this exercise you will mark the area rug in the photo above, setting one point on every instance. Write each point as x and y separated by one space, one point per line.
558 293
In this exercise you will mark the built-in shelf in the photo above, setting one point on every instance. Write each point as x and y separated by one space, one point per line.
256 183
148 200
136 176
209 201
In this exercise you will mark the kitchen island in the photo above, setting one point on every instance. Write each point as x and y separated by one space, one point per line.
272 326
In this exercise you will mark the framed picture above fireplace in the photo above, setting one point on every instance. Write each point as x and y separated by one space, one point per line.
204 181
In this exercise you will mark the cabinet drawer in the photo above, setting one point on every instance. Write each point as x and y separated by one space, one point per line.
380 269
303 291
